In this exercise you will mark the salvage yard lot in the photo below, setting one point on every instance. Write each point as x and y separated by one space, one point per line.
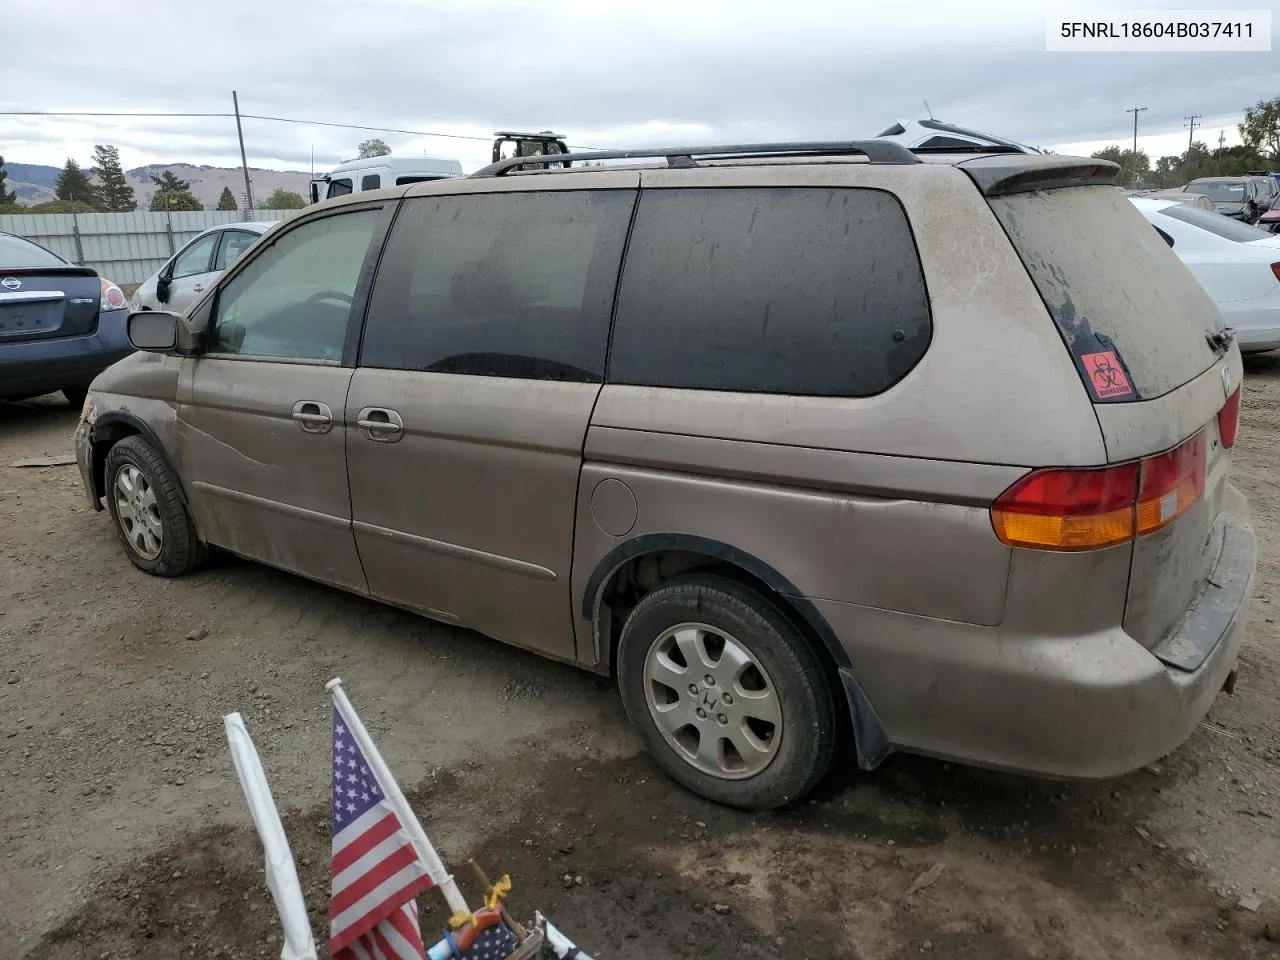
123 832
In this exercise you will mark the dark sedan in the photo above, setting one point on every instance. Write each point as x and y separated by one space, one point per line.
60 324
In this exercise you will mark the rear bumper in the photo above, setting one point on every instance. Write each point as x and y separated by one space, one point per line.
43 366
1082 707
1256 322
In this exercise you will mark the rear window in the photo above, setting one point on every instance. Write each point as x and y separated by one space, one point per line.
1132 315
1215 223
806 291
17 253
1225 192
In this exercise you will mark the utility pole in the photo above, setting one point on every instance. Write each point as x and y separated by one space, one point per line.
1192 124
244 163
1222 139
1135 111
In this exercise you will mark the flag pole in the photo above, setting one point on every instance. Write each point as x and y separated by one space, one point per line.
417 836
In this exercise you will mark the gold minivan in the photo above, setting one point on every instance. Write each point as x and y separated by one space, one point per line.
805 444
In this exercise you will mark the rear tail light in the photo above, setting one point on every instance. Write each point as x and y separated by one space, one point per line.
1229 420
1275 268
112 296
1095 508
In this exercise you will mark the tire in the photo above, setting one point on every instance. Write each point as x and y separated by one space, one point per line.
166 545
780 763
75 395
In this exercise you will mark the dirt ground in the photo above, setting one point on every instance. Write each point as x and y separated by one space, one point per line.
123 832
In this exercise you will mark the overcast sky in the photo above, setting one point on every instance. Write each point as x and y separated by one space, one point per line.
603 72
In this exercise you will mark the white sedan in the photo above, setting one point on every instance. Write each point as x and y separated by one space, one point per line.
186 274
1238 266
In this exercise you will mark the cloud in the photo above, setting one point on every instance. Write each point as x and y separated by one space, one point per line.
622 73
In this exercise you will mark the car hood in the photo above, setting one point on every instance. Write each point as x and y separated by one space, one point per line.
1228 207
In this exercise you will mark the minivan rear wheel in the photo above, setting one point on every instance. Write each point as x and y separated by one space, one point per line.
727 695
146 507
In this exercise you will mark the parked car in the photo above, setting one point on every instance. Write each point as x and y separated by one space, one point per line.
1270 219
374 173
1237 197
934 135
1268 190
747 436
60 324
1238 266
194 268
1180 196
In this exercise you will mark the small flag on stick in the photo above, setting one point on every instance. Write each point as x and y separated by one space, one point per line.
382 858
282 876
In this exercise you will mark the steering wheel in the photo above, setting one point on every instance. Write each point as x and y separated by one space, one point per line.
331 295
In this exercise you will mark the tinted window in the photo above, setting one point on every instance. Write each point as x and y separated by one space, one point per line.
1112 285
401 181
500 285
948 142
1215 223
234 243
15 252
372 182
338 188
195 258
293 299
784 290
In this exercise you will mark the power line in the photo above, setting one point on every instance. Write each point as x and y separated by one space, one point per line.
1192 135
255 116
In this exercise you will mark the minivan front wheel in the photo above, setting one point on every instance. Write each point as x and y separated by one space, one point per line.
146 507
727 695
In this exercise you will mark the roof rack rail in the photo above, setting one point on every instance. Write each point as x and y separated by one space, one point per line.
876 151
969 148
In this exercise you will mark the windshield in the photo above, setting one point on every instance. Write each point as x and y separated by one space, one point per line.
1215 223
1224 192
16 253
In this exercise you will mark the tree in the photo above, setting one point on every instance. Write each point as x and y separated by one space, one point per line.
114 193
173 194
7 197
1261 127
1134 167
73 186
374 147
284 199
227 200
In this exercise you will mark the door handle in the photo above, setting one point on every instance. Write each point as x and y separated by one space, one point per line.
198 287
380 425
313 416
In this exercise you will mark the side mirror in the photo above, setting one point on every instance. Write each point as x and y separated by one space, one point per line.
153 330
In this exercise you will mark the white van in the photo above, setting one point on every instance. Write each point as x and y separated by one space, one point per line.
374 173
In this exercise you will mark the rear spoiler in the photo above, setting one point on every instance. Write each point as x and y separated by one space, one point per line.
60 270
1025 173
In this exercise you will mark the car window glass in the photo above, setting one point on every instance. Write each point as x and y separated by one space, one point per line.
501 285
294 299
777 290
372 182
339 188
195 259
1215 223
1223 192
16 253
234 243
947 142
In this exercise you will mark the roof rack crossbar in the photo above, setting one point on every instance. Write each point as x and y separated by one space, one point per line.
876 151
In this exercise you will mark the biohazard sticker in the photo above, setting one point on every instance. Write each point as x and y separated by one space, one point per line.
1107 378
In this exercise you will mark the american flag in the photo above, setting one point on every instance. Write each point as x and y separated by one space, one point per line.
376 871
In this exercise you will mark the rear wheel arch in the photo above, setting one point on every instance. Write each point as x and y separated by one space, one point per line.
632 569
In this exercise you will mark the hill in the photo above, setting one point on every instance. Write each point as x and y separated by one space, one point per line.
34 183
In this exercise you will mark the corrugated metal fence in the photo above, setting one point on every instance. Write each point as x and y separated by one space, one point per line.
123 247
